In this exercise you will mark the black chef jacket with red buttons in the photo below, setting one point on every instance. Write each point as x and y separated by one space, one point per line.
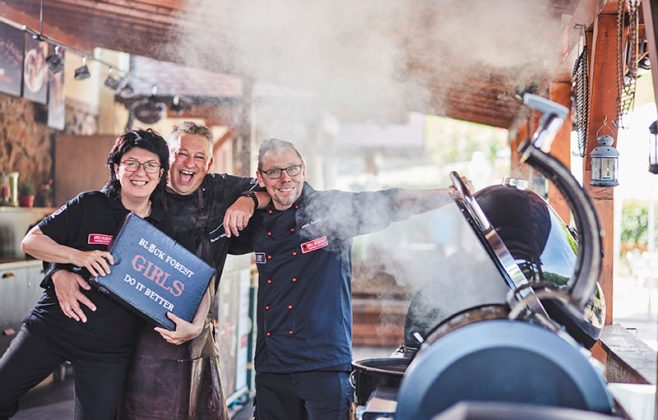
303 255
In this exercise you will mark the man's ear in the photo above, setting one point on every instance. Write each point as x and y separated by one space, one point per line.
209 164
259 177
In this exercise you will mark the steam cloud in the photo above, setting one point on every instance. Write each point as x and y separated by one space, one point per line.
372 58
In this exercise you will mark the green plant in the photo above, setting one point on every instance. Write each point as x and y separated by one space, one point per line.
26 188
634 225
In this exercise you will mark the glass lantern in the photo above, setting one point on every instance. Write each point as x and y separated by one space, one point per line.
653 149
605 161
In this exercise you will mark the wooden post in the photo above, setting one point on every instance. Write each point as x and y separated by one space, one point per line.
603 111
518 170
650 12
560 92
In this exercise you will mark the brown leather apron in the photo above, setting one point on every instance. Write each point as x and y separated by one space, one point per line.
172 382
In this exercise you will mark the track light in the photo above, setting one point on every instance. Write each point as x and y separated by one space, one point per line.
82 72
111 81
55 61
176 105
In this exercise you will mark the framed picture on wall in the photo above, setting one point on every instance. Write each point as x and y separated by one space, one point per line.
35 70
56 108
12 45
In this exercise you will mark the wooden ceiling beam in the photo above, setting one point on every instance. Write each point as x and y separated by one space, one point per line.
92 11
21 18
105 34
113 28
132 15
474 114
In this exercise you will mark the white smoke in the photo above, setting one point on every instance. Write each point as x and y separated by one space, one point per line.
373 58
378 60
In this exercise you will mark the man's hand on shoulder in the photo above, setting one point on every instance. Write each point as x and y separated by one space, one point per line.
237 216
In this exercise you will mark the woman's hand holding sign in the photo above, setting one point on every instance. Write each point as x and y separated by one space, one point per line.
96 262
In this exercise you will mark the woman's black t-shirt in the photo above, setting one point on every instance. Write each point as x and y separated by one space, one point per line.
88 222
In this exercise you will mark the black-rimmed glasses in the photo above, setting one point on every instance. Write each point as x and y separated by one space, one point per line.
275 173
150 167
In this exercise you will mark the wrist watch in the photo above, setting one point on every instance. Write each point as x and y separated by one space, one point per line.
251 195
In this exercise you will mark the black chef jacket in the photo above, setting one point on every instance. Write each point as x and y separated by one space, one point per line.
88 222
199 216
303 255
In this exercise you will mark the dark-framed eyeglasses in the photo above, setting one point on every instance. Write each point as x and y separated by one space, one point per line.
275 173
132 165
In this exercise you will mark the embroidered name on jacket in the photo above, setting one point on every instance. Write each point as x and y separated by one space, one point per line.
99 239
315 244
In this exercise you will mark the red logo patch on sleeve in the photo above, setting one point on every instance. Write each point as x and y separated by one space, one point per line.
99 239
314 244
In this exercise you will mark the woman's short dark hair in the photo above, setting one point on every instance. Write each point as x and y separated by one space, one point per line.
144 139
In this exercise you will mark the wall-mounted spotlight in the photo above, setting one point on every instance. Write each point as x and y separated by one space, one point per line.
55 61
111 81
82 72
653 148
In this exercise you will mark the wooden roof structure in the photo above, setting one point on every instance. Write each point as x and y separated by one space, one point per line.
148 27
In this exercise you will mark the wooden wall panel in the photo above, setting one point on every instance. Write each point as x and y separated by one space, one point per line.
80 164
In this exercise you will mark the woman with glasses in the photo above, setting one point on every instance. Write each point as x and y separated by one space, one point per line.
98 336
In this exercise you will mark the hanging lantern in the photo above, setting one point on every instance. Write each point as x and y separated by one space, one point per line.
653 148
605 161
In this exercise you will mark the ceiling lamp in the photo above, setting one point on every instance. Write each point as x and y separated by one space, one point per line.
55 61
149 110
82 72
